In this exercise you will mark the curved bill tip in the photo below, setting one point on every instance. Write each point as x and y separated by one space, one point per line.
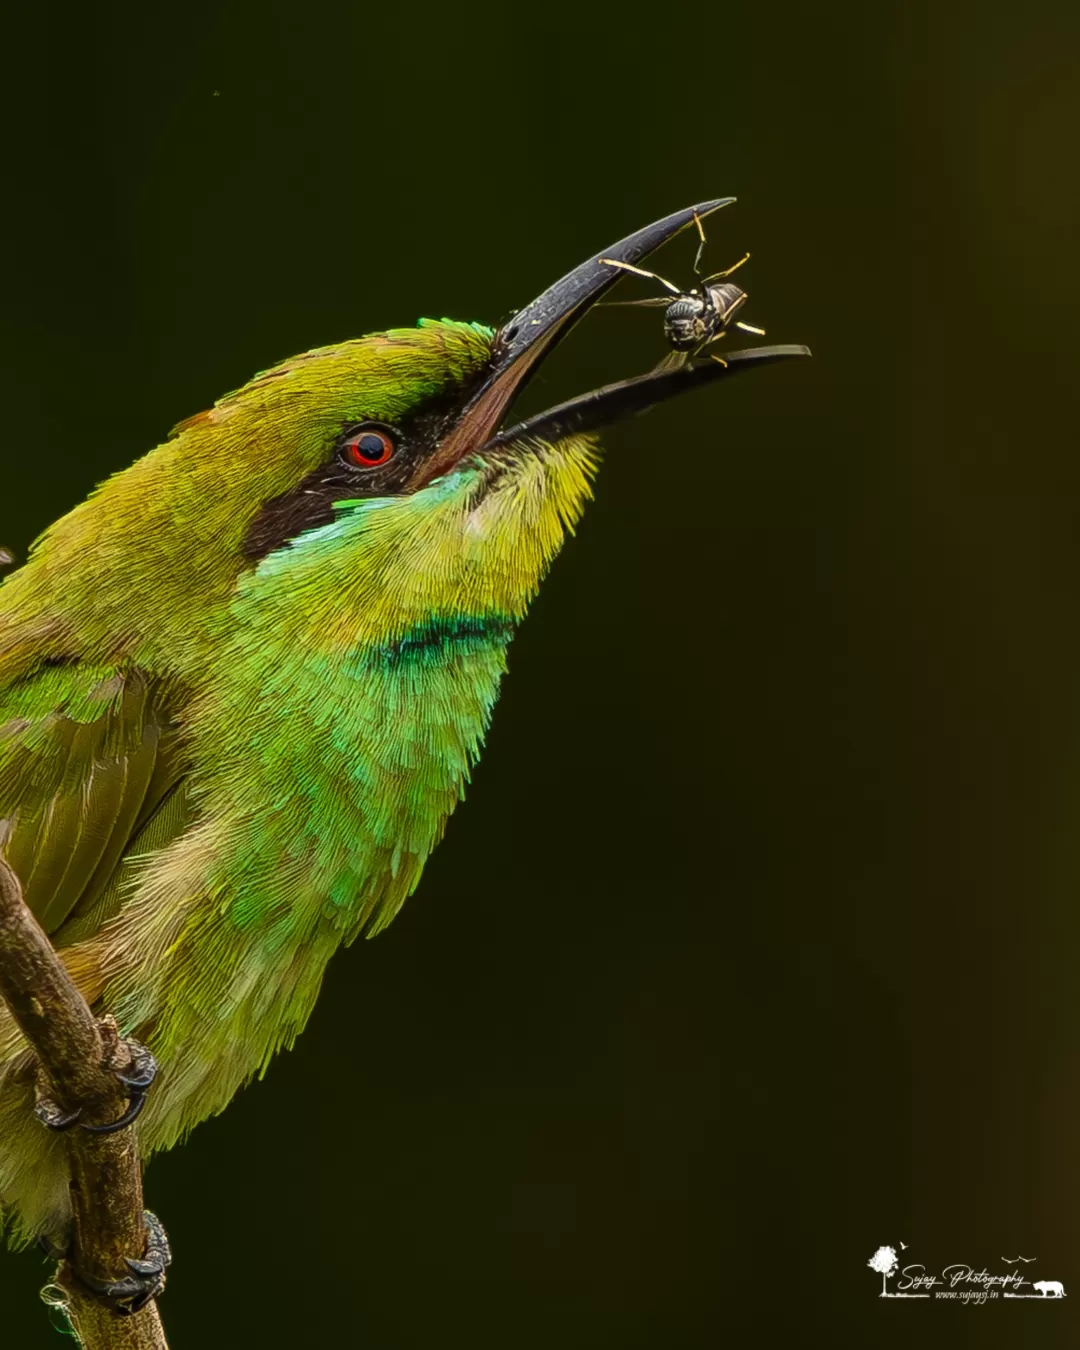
551 315
531 333
523 341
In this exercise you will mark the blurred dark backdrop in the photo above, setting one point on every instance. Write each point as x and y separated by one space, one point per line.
754 946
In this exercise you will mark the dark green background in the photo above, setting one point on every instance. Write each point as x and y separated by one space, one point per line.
754 946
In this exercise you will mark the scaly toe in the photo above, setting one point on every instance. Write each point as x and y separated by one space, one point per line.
147 1278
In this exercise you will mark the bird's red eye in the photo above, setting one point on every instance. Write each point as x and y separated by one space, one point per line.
369 447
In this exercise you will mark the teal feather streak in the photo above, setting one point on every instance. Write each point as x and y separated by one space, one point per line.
432 642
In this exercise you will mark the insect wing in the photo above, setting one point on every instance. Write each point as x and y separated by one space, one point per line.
672 361
651 302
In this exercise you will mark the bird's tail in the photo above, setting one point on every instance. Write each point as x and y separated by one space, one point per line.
34 1198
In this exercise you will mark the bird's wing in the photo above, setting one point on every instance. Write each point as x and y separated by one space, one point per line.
90 772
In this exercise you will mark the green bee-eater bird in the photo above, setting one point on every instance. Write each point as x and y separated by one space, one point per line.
242 685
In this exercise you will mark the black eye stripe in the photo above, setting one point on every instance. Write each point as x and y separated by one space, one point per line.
310 503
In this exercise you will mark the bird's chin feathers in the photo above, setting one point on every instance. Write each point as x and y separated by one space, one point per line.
478 540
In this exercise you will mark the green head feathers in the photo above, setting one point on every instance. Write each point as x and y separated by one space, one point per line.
261 474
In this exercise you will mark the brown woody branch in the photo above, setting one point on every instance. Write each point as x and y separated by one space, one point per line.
78 1057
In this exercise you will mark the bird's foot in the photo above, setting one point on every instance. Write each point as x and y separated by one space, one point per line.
147 1275
137 1077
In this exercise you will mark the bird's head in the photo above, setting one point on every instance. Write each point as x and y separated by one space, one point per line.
365 485
383 502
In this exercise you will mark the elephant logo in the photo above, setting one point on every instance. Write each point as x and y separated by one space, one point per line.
1049 1288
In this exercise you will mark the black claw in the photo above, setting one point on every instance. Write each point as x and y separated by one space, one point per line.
143 1069
51 1116
143 1268
138 1079
147 1278
136 1102
137 1304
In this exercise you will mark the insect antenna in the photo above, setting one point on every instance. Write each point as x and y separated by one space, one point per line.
641 272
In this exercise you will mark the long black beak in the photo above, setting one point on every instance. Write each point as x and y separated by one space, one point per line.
532 332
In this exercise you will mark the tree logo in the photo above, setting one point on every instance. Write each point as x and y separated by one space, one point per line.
886 1263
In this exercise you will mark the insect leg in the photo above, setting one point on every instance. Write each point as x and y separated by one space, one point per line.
701 244
641 272
708 343
718 276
